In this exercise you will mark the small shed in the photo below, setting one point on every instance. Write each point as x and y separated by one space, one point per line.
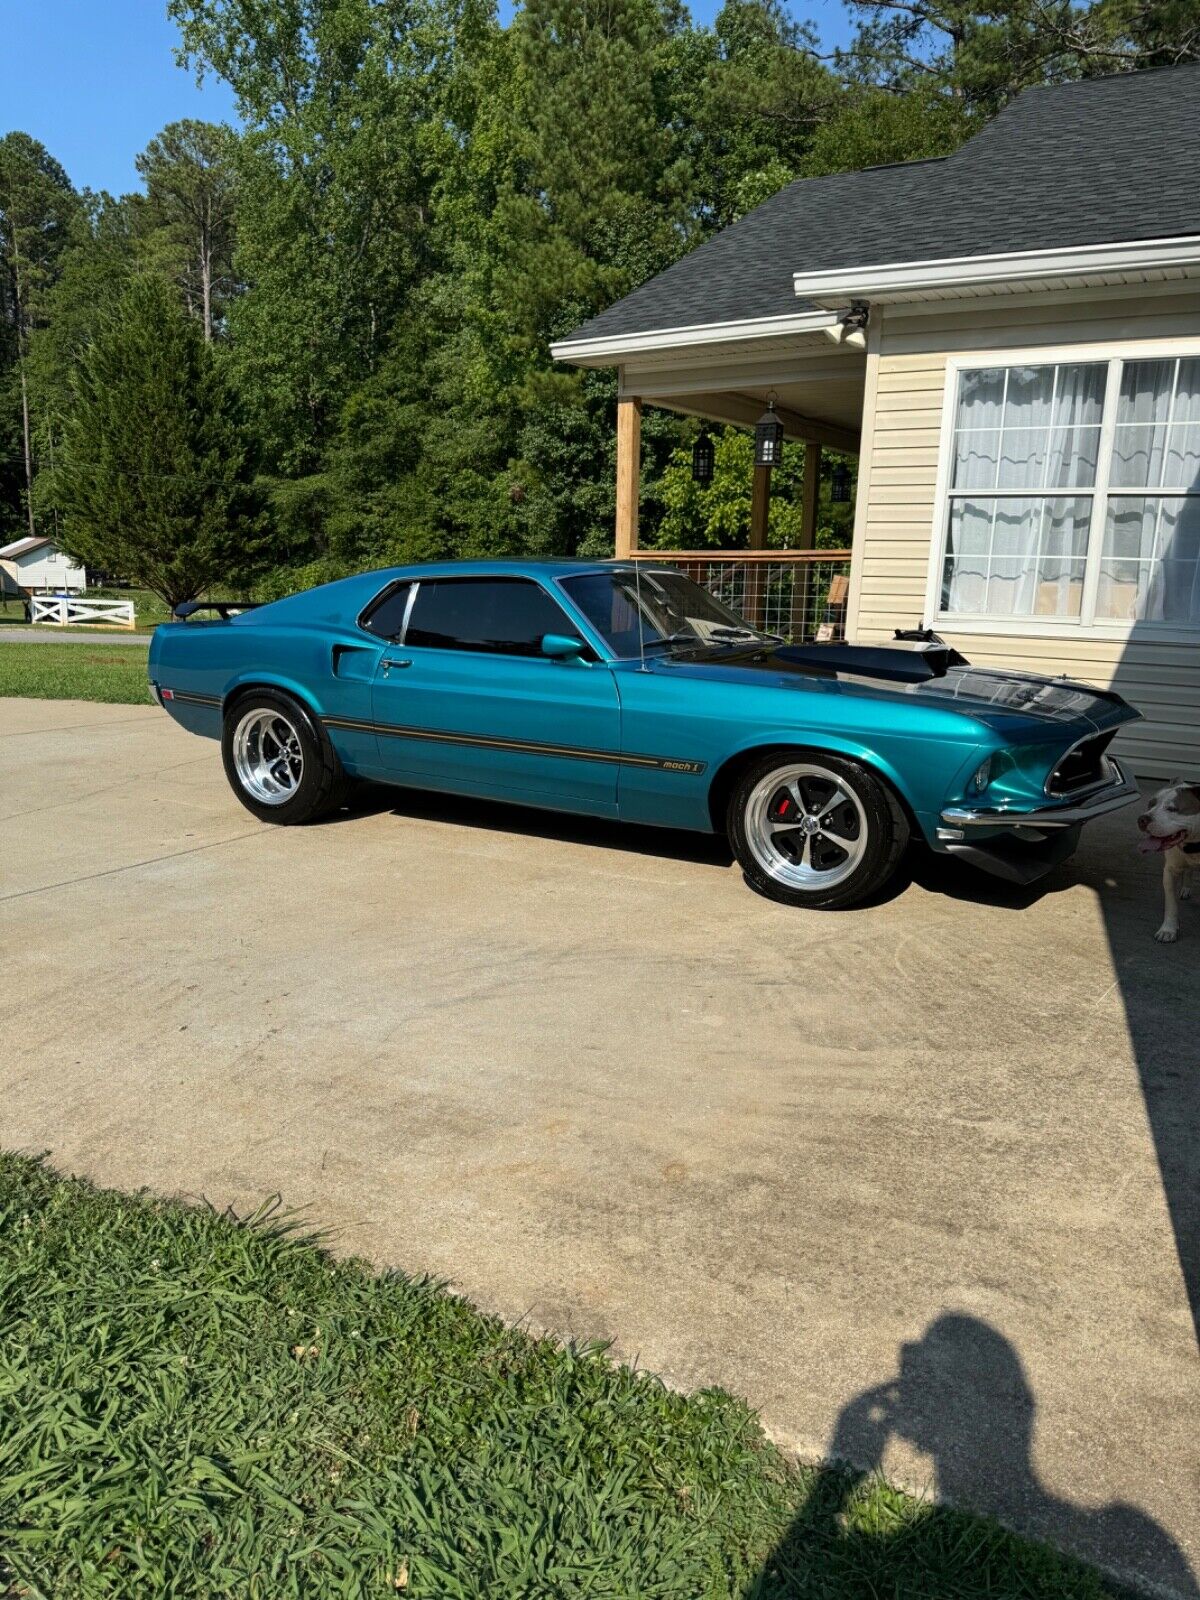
36 566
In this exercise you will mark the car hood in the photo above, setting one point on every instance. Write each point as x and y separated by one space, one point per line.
993 695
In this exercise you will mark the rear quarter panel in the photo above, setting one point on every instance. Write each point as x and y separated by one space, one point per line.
328 668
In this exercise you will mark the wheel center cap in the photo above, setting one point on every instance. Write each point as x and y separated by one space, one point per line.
811 825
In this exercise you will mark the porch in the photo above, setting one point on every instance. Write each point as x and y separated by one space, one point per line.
814 384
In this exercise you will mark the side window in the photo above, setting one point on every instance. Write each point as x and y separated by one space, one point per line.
504 616
385 614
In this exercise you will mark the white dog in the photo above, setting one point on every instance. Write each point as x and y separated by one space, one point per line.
1172 826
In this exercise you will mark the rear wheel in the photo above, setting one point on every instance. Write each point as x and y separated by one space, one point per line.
817 830
279 760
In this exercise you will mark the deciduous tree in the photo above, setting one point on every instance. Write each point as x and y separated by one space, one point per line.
191 202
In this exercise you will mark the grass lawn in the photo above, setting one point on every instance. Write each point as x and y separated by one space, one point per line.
194 1406
75 672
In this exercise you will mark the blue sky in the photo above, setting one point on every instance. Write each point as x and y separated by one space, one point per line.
95 80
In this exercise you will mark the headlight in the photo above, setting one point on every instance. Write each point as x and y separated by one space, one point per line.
981 777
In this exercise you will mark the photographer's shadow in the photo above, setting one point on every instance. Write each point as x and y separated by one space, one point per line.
961 1397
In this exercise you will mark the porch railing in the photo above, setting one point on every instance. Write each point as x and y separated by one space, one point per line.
800 594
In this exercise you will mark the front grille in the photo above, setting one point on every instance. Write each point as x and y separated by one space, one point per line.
1081 767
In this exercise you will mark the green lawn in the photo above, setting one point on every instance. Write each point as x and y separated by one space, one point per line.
75 672
194 1406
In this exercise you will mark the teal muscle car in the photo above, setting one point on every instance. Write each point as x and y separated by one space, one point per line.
625 690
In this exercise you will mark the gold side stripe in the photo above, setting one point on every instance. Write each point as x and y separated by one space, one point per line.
526 746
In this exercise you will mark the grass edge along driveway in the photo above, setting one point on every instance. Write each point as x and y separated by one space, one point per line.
193 1404
111 672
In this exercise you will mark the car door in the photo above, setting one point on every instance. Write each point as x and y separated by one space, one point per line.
467 700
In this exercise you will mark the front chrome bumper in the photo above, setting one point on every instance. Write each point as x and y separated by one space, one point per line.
1123 792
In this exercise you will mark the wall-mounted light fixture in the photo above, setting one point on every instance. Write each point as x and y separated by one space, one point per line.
852 328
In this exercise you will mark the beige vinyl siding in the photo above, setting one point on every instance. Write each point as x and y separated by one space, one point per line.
896 530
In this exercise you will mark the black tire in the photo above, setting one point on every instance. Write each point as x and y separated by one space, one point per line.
320 785
872 823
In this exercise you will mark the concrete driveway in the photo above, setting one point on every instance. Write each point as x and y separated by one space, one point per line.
914 1179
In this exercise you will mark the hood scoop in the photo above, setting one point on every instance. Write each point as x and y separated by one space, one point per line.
917 656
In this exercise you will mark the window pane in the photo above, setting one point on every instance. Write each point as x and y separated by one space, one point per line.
975 457
1187 392
1079 398
507 616
980 398
1146 391
1071 459
1150 565
1022 458
1028 399
1182 467
1016 557
1131 528
387 615
1137 455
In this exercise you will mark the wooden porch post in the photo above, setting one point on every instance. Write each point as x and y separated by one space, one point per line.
760 506
760 509
800 625
629 471
811 489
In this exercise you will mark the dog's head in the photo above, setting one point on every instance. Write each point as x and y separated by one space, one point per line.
1173 817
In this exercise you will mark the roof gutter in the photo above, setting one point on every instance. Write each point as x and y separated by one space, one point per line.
617 347
967 273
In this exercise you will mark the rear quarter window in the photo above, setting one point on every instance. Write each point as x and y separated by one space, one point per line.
385 614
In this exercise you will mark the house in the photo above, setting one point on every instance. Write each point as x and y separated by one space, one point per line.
1009 340
32 565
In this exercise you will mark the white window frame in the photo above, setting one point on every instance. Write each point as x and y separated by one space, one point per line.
1048 627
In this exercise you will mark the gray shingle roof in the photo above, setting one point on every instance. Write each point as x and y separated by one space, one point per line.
1082 163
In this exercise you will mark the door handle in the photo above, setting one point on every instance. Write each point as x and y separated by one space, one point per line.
394 661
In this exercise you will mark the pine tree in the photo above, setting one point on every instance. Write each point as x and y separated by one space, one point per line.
154 481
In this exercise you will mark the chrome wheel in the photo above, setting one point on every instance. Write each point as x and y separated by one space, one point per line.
806 827
267 757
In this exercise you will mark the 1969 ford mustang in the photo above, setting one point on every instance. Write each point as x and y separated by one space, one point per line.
626 690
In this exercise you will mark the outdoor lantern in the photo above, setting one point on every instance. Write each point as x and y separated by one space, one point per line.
840 489
703 459
768 438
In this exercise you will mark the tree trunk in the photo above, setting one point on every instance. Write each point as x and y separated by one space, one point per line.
206 272
28 449
19 309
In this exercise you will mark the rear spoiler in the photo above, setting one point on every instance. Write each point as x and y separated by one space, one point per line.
224 608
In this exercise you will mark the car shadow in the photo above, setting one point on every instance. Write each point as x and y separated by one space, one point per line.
959 1395
496 816
920 867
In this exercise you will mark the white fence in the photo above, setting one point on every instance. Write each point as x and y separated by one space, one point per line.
63 611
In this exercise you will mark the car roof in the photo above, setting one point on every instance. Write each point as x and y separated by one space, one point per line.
557 568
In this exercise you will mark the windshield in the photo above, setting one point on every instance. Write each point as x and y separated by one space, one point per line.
656 610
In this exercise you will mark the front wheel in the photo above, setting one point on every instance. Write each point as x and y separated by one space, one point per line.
279 760
815 830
